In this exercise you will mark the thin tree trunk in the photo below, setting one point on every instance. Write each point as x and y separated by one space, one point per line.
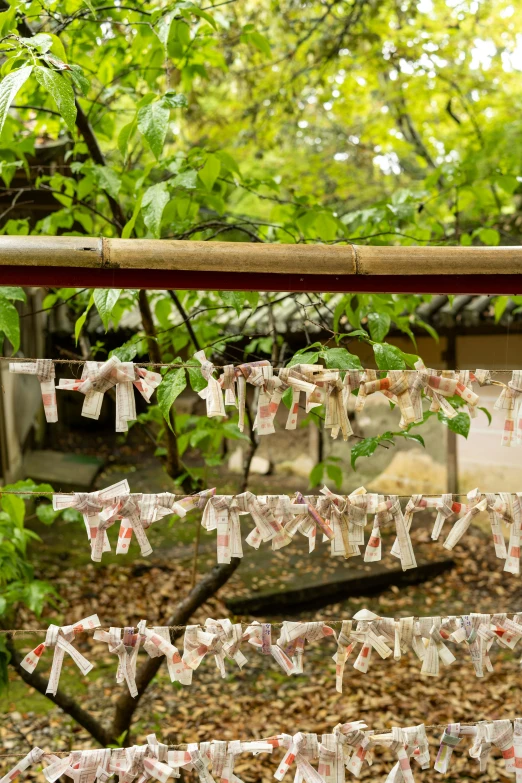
251 450
205 589
173 466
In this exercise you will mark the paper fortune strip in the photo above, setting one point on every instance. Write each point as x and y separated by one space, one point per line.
475 635
44 371
59 639
310 757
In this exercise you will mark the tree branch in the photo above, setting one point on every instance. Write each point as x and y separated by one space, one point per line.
205 589
35 108
84 127
186 319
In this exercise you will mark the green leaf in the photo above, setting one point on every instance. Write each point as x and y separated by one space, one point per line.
197 382
183 33
326 226
41 42
187 179
260 42
90 7
169 389
335 474
162 29
252 298
10 323
459 423
316 475
365 448
46 513
501 303
13 292
153 123
174 100
309 357
128 228
235 299
8 20
57 48
9 87
78 326
358 333
431 331
107 179
105 299
37 594
379 324
79 78
389 357
155 200
15 507
287 398
204 15
125 352
488 415
228 162
418 438
488 236
124 137
210 171
341 358
61 92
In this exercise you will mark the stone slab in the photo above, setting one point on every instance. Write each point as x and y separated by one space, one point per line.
61 470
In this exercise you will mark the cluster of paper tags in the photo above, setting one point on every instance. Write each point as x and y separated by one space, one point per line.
337 519
330 387
475 635
347 748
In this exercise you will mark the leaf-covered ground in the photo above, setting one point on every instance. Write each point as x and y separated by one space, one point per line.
261 700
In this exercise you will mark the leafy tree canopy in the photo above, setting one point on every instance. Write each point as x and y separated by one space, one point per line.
291 122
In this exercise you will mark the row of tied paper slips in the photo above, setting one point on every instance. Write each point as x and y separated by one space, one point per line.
277 518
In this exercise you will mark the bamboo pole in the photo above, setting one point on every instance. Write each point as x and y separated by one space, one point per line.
149 263
171 254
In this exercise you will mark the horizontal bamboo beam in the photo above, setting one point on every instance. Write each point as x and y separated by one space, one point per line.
149 263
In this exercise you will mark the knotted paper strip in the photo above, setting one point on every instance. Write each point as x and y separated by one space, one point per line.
59 639
125 644
33 757
509 401
99 377
44 371
448 742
